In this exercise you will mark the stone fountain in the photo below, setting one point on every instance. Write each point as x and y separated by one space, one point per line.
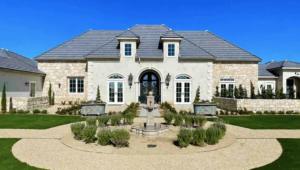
150 127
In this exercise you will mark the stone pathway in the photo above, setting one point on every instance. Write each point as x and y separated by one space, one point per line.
44 149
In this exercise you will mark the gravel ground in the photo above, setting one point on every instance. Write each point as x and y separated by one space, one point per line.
54 148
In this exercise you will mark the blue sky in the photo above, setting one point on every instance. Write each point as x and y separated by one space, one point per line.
268 29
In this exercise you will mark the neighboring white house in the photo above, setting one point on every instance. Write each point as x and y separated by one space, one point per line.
23 81
283 75
20 75
127 64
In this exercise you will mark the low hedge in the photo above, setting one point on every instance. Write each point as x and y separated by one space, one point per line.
184 137
77 129
89 134
120 138
103 137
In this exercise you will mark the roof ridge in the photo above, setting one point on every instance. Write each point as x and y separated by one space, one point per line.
232 44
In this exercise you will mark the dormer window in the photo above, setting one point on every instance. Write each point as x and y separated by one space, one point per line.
128 50
171 50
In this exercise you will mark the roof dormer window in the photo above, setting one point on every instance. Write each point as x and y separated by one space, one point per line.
128 50
171 50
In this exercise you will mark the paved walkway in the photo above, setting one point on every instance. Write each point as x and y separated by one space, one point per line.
44 149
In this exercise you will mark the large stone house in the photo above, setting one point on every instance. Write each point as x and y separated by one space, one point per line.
127 64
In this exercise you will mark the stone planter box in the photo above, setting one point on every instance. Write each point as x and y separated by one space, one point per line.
92 109
205 109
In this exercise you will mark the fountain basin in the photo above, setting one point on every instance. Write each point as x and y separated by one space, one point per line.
150 130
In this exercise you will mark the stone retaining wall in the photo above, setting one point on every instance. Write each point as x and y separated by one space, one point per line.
25 103
258 104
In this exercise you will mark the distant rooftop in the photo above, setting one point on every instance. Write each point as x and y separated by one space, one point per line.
13 61
267 69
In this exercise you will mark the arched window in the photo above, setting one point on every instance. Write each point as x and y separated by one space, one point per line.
115 89
183 89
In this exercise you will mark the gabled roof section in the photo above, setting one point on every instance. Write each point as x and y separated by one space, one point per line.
14 61
282 64
171 34
264 72
127 34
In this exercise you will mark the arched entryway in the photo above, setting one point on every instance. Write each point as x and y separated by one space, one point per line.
149 81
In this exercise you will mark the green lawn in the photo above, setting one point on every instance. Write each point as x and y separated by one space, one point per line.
35 121
7 160
290 158
265 121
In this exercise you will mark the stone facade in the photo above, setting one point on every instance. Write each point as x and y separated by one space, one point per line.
258 104
58 74
242 72
25 103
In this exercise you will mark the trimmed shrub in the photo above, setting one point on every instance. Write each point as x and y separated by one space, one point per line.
184 137
103 120
199 121
290 112
168 116
36 111
89 134
23 111
258 113
115 120
76 129
128 118
213 135
104 137
199 137
44 112
120 138
178 120
188 120
221 126
281 112
167 106
91 121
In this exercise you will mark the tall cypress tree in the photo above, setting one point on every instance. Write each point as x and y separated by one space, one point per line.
217 91
252 90
11 106
3 100
197 97
53 99
98 97
236 92
50 94
241 91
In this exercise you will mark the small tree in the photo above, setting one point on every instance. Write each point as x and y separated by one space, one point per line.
269 93
98 97
50 94
53 99
197 97
11 106
217 91
252 91
236 92
3 100
241 90
245 93
258 94
263 92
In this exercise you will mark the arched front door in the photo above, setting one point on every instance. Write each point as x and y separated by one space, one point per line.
149 81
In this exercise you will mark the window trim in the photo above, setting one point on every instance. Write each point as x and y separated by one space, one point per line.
116 81
227 82
183 81
125 49
169 48
76 85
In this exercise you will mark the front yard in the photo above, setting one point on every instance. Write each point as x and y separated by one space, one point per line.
17 121
264 121
7 160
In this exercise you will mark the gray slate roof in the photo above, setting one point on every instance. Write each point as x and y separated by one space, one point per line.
104 44
13 61
273 66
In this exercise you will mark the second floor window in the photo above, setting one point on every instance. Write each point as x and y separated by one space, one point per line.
76 85
128 50
171 49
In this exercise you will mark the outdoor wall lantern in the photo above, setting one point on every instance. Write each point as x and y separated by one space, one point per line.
26 83
130 79
168 79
